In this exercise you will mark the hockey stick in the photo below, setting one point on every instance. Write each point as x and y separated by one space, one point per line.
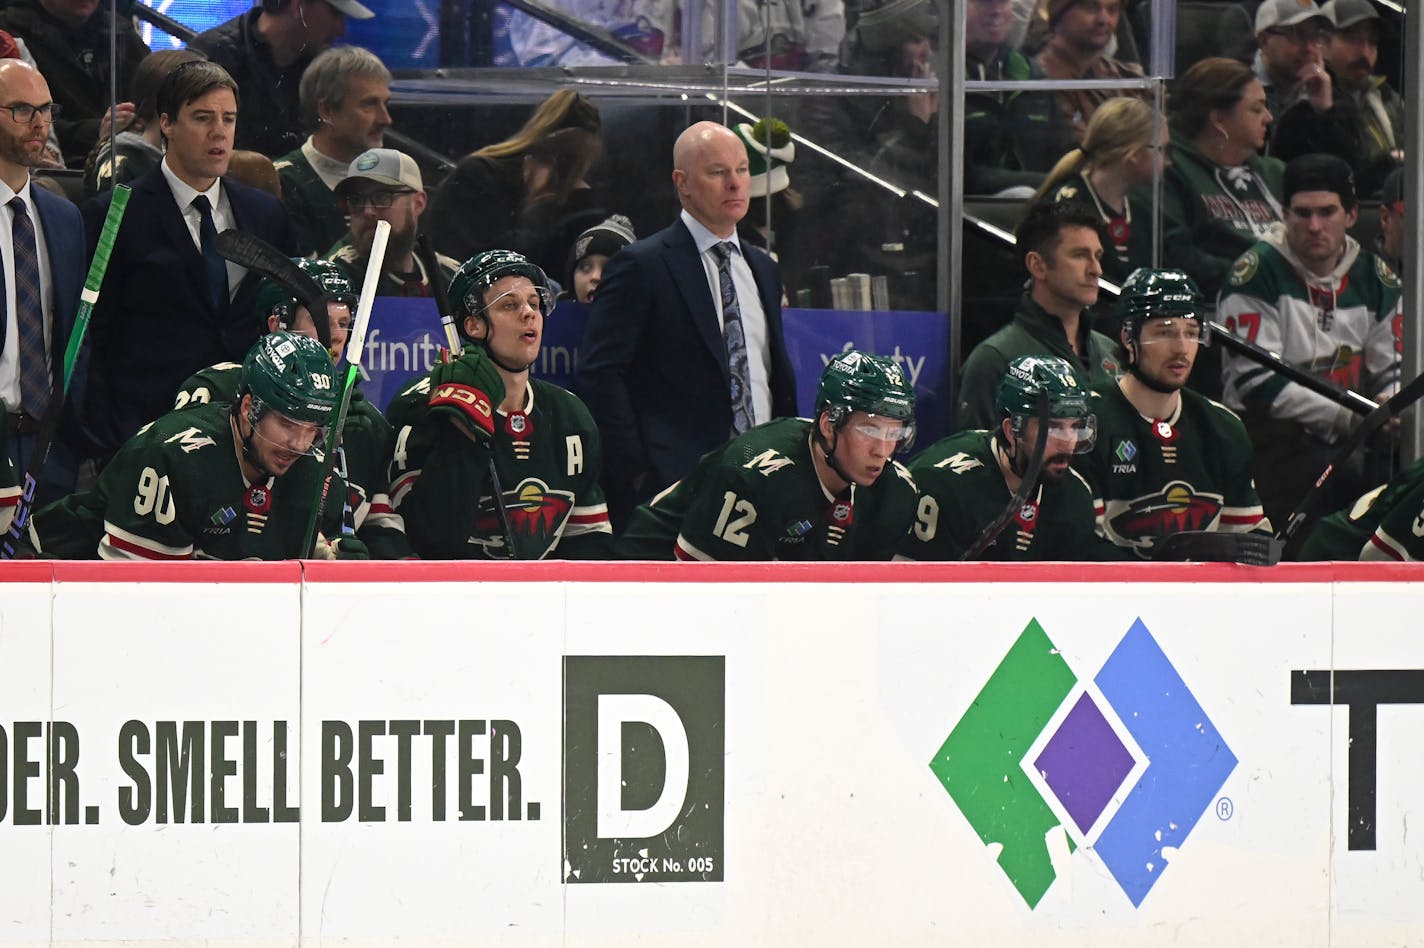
452 341
1212 546
254 253
49 424
1265 358
1026 485
354 346
1293 534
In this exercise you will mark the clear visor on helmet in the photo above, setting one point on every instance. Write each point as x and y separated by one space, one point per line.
1162 330
1065 435
884 428
512 303
285 435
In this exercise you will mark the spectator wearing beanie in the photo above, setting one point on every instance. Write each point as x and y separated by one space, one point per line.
590 252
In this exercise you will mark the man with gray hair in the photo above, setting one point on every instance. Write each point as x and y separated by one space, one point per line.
344 94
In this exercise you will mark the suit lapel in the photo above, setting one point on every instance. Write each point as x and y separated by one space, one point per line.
685 264
175 231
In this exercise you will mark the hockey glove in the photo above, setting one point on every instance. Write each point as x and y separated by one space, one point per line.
467 391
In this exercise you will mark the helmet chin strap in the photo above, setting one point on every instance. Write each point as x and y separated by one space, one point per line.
248 453
829 449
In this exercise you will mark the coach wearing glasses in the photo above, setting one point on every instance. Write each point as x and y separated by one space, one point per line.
383 184
42 251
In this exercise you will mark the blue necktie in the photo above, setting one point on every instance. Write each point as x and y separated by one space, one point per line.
29 313
735 339
213 262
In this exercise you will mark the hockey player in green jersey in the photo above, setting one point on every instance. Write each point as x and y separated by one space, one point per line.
1311 293
217 481
1385 524
795 489
367 438
1167 460
483 405
967 479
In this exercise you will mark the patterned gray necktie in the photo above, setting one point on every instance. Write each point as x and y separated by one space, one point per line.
735 340
29 314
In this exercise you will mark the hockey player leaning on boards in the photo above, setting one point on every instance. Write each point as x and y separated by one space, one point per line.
367 437
1167 459
483 405
216 481
794 489
967 479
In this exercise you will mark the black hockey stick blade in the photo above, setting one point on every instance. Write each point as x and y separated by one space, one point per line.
1294 534
1026 485
254 253
1202 546
431 262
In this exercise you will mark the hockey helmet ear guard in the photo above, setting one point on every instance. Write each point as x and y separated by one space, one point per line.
483 270
1030 378
859 381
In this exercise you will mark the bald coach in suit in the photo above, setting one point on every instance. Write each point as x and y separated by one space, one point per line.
684 345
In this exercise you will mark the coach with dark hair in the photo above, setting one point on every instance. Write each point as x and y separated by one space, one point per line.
1063 255
170 305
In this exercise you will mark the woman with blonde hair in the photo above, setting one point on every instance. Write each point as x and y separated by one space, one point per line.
1103 176
525 192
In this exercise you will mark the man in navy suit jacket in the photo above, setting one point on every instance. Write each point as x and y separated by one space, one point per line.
653 365
165 310
59 235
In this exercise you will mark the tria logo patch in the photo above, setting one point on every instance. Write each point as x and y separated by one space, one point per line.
1125 451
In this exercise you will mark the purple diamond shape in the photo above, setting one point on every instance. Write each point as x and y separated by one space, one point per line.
1084 762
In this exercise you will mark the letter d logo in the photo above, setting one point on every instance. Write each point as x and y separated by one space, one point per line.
613 712
643 768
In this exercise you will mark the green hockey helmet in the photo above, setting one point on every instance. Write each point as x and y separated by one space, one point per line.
291 374
859 381
277 299
482 271
1029 380
1159 294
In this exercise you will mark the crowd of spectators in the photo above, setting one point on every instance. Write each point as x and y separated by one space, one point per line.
264 125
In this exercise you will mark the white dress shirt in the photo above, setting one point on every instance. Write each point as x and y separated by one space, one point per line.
749 301
10 357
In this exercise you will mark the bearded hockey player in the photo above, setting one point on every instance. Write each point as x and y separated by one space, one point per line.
367 438
794 489
218 481
1311 293
966 479
1167 460
484 405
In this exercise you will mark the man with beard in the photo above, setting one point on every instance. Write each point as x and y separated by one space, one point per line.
383 184
826 489
1167 460
41 235
966 479
1365 122
1311 293
481 415
1081 31
226 481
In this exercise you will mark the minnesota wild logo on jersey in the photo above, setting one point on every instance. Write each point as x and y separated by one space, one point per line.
537 516
1153 477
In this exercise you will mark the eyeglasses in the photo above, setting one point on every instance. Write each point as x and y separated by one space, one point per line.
24 113
380 200
1302 35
